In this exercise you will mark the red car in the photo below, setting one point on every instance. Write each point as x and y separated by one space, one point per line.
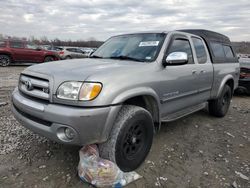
17 51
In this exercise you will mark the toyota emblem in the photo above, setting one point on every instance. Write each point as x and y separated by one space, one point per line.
28 85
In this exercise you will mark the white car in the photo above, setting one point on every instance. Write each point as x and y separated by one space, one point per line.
88 51
71 53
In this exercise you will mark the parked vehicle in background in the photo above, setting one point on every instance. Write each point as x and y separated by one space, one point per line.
119 96
52 48
18 51
71 53
244 81
88 51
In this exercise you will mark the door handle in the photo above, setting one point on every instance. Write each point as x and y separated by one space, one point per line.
203 71
194 71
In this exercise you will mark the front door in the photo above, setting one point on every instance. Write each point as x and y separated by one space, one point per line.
17 50
180 89
32 53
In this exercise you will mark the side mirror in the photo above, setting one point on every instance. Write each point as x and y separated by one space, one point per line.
176 58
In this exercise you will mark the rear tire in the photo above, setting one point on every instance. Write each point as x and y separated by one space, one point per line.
68 57
5 60
248 92
130 138
48 59
220 106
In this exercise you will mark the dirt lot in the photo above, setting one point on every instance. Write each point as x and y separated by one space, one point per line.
196 151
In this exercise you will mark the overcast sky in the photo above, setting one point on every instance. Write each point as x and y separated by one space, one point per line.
82 19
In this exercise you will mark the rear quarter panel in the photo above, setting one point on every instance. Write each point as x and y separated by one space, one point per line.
222 73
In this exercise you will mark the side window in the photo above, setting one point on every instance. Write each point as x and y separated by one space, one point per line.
2 43
218 50
228 52
31 46
71 49
182 45
79 51
200 50
16 44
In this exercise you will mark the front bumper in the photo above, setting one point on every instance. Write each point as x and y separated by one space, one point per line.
90 125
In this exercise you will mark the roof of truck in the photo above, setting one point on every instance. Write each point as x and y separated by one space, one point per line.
211 38
208 35
205 34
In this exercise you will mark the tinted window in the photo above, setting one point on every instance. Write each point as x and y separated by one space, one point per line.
2 43
78 51
16 44
71 49
218 50
228 52
200 50
182 45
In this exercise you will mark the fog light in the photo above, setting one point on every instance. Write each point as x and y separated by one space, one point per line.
69 133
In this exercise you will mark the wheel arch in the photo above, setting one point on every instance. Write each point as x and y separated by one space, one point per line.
143 97
49 55
8 54
227 80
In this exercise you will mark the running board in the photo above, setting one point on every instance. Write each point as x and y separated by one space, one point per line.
184 112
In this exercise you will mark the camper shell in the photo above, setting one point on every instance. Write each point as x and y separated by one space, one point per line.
215 42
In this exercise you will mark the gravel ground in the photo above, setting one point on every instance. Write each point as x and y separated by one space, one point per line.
196 151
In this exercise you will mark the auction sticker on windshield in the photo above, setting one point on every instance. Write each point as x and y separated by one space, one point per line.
149 43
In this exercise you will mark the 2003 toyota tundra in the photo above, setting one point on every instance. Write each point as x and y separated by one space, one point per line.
119 96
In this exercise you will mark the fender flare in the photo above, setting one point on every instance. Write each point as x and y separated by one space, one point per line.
223 82
136 92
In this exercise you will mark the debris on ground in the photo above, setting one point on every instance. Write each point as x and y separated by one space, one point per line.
3 104
229 134
101 172
234 185
242 175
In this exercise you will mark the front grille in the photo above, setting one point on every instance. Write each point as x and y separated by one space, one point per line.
33 118
34 87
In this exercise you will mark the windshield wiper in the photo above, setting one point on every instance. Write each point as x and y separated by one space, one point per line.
123 57
95 56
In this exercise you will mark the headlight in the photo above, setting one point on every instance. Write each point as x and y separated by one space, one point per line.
83 91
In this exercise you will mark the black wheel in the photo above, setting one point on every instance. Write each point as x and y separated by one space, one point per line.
68 57
220 106
248 91
4 60
48 59
130 138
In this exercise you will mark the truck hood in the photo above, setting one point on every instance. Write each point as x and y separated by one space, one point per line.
81 69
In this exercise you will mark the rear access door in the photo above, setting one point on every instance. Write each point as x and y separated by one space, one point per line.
203 70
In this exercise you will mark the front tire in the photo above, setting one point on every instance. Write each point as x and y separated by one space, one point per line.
5 60
130 138
220 106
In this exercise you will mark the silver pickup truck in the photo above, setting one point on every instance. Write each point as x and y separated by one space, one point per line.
122 94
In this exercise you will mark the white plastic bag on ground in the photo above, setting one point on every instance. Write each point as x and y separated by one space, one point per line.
100 172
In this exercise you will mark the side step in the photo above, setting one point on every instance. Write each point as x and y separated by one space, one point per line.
184 112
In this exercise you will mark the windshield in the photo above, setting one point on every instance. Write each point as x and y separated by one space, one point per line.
135 47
